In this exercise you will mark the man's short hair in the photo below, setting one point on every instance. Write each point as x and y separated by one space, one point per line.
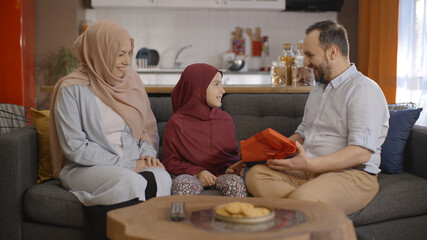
331 33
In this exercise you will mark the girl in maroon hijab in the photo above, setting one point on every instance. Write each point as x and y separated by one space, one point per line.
199 144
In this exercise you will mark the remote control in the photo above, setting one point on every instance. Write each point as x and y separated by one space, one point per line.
177 211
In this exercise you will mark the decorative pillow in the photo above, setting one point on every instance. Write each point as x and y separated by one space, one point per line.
400 125
41 123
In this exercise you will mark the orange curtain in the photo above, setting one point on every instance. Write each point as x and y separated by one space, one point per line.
378 28
17 52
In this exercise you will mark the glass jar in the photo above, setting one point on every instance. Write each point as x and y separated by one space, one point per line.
278 73
288 58
301 75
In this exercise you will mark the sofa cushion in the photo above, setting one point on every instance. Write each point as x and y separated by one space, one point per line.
49 203
392 153
41 123
253 113
401 195
162 109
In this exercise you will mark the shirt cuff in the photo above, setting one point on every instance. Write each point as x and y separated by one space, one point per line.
147 150
300 132
363 139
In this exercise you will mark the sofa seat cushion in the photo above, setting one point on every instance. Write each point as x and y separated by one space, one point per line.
49 203
211 193
401 195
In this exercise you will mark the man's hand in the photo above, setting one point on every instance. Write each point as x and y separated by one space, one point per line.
298 162
206 178
236 168
145 162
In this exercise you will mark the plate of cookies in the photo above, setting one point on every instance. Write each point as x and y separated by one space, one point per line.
243 212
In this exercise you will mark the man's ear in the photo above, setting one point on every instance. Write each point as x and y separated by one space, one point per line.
333 52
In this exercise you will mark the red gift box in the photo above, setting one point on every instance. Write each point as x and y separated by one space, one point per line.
265 145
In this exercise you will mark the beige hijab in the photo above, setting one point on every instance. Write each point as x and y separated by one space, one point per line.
97 48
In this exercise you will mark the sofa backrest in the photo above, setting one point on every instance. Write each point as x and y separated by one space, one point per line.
251 113
162 109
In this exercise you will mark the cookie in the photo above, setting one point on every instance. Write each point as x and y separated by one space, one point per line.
222 212
256 212
236 208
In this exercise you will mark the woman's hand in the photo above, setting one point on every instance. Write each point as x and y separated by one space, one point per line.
145 162
206 178
236 169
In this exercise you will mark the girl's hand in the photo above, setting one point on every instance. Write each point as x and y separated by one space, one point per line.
145 162
206 178
236 168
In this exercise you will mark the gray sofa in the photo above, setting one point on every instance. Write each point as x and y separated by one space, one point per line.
47 211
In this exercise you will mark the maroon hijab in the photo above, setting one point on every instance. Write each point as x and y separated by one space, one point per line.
198 137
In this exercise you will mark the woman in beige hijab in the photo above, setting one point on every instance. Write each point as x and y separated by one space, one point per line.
104 135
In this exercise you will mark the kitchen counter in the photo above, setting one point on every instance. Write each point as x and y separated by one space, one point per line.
169 77
179 71
228 89
162 81
239 89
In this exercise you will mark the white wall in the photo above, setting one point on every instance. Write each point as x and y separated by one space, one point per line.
208 30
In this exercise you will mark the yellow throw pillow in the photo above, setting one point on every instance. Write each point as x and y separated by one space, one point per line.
41 123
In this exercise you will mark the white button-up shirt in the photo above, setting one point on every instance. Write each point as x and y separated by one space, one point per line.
350 110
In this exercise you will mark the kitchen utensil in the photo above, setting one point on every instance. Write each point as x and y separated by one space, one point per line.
144 53
147 57
155 57
238 33
257 36
256 48
250 34
236 65
238 47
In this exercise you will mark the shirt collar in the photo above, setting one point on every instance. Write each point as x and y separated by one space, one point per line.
336 82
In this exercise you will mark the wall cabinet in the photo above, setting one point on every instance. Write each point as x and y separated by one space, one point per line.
236 4
190 3
255 4
232 4
124 3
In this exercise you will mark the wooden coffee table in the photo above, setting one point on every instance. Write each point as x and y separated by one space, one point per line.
150 220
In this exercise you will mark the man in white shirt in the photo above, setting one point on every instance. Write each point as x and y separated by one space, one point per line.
339 140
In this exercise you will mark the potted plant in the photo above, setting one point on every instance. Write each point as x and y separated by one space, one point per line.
59 64
51 68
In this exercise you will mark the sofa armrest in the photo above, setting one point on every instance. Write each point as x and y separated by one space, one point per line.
416 152
19 165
